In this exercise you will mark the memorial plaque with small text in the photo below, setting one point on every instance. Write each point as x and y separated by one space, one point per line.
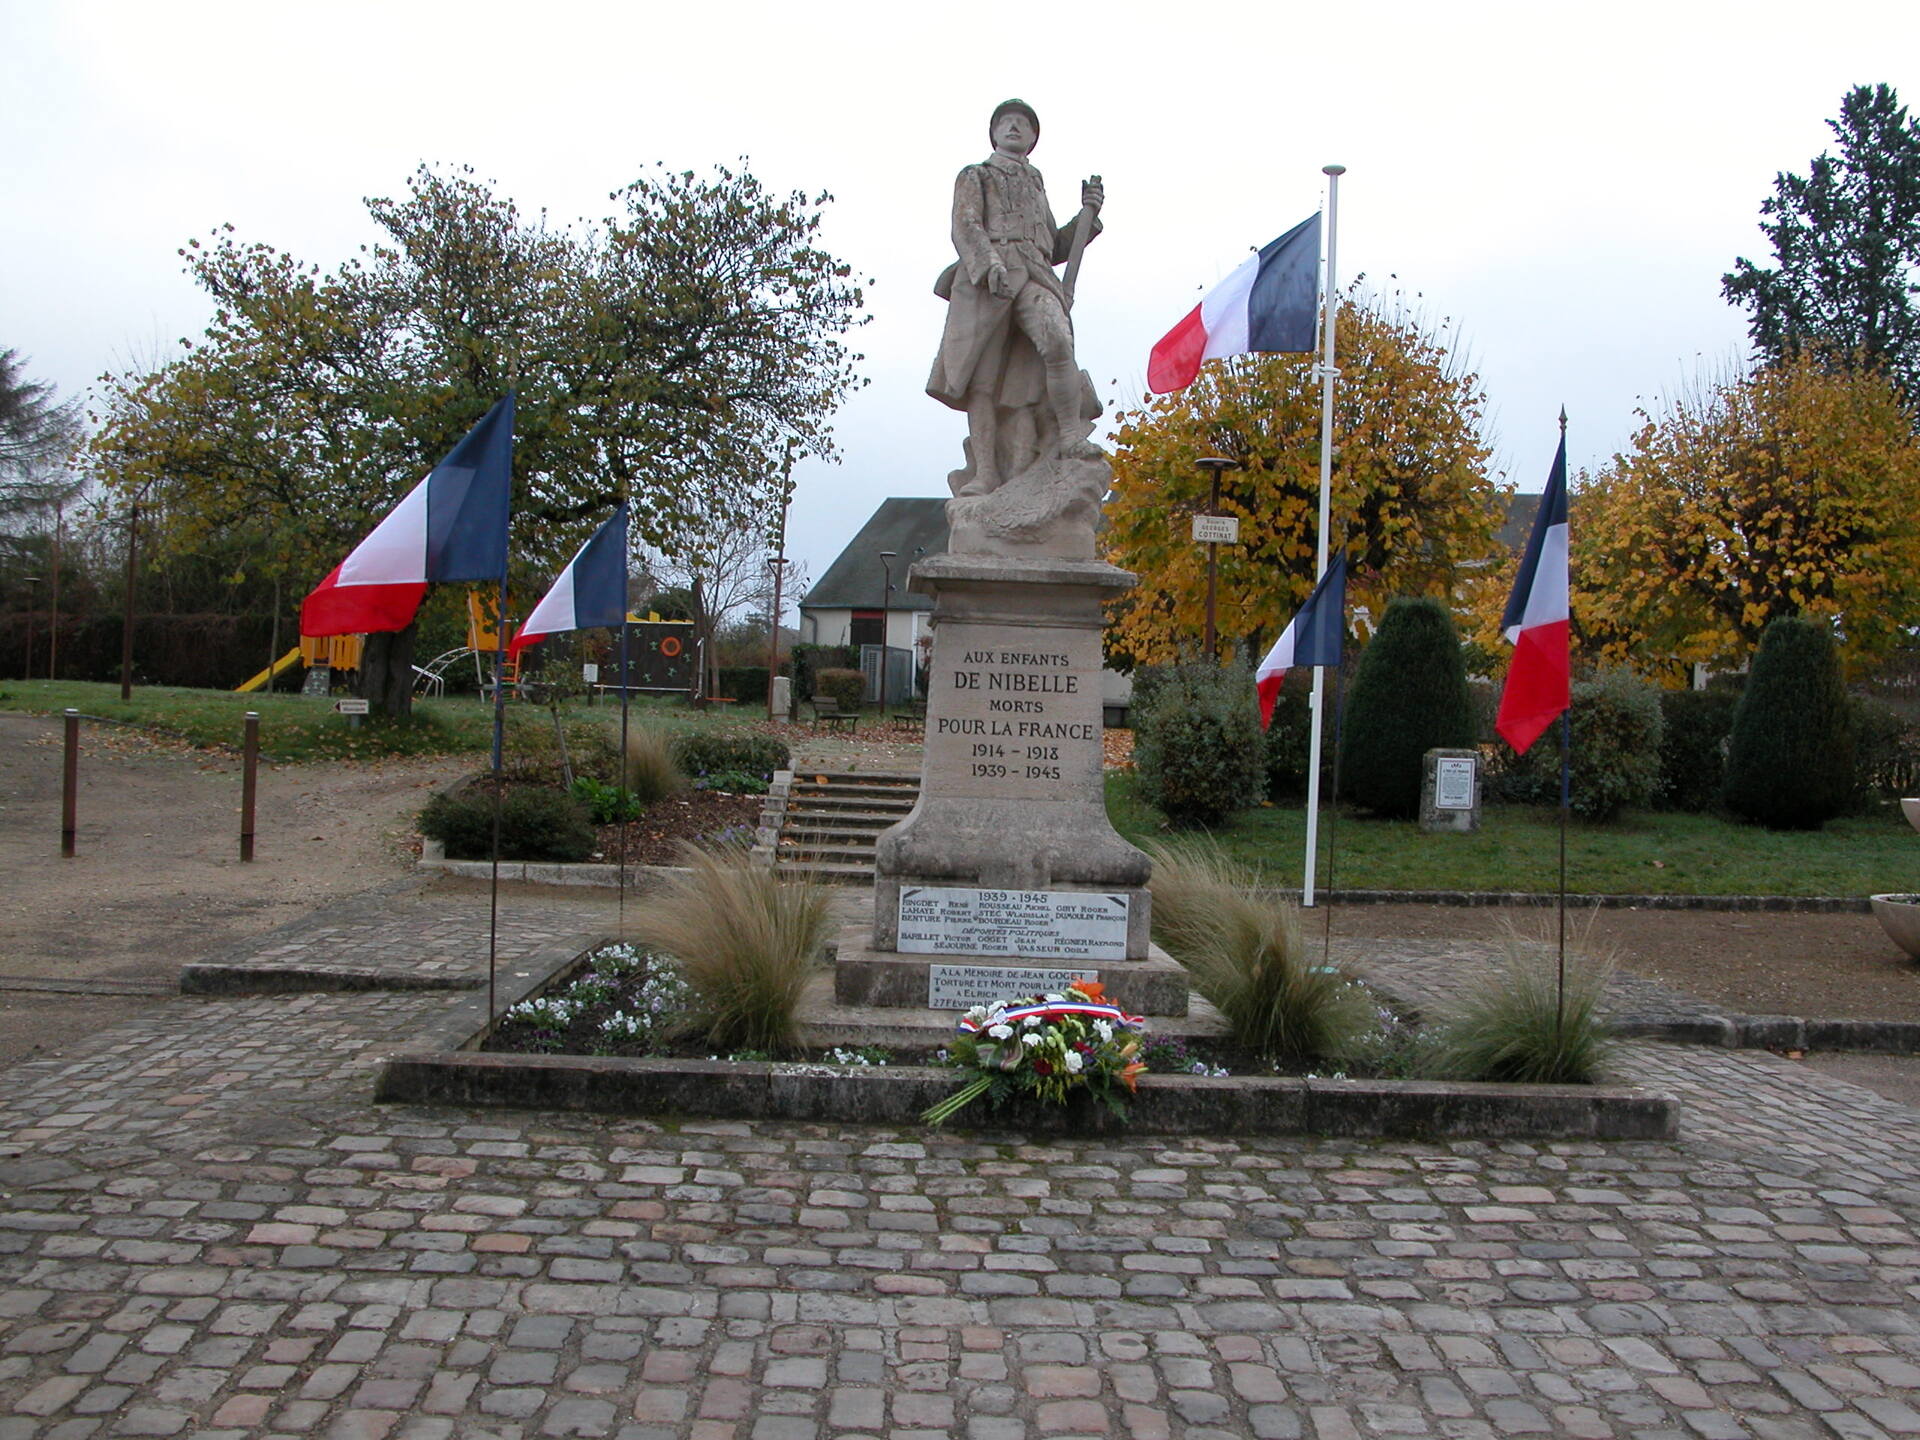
1033 924
961 987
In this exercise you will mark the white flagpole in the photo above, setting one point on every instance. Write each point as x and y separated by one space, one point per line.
1327 376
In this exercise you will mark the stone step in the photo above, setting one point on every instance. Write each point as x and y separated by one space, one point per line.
887 979
896 802
850 822
807 851
801 775
828 871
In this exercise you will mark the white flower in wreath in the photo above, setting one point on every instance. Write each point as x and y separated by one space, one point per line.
977 1014
1032 1022
1029 1039
1076 1062
1000 1032
1104 1029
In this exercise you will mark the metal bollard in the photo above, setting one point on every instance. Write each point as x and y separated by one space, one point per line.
70 785
249 783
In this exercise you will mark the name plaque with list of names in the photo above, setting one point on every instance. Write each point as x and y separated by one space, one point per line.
1032 924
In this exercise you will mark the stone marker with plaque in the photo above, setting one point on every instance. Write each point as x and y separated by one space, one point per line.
1450 791
1007 864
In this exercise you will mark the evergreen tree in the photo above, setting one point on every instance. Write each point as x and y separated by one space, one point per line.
1846 244
1409 696
1790 755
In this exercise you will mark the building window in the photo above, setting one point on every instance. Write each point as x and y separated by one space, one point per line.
868 628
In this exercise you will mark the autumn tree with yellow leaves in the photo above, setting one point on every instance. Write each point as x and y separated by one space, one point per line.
1792 489
1412 500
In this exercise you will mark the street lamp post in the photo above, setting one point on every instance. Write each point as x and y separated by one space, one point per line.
886 616
1213 465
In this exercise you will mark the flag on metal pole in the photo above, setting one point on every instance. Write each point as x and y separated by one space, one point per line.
451 526
1315 636
1538 687
590 591
1268 305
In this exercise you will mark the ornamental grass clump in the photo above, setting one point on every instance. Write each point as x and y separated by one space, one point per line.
650 771
745 941
1246 957
1515 1024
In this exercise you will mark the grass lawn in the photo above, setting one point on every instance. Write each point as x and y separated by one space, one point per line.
302 728
1518 847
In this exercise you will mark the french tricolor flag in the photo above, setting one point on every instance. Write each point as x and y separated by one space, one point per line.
591 591
1538 687
452 526
1316 636
1269 304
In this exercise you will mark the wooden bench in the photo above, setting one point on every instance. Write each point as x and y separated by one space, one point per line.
827 711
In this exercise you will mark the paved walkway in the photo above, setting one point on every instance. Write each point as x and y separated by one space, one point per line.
207 1230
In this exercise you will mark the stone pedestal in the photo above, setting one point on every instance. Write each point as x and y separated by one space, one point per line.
1011 798
1450 792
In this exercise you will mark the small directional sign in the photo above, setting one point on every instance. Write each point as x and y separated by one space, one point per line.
1216 529
352 707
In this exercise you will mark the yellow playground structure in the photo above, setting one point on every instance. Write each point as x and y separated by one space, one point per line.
342 652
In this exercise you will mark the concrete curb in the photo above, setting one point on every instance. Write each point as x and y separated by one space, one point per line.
1775 1032
296 979
1805 904
537 873
1166 1105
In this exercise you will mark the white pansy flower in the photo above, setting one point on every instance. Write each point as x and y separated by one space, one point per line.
1029 1039
1033 1022
1000 1032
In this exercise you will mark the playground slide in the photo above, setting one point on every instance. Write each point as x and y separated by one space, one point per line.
292 657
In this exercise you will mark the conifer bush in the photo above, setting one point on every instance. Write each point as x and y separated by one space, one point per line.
1409 696
1694 725
1197 745
1790 753
1290 737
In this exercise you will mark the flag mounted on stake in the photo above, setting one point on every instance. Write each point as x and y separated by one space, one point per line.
1270 304
1538 687
451 526
1315 636
591 591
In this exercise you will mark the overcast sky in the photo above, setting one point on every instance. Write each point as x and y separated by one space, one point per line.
1563 185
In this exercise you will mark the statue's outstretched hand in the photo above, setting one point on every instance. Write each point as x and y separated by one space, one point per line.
1093 193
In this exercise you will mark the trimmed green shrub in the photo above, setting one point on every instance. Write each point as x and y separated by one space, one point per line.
1886 752
1790 753
1694 725
1290 737
1409 696
606 804
536 823
1616 751
1197 744
711 752
846 688
809 660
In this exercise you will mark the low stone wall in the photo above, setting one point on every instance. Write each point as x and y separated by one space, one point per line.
896 1096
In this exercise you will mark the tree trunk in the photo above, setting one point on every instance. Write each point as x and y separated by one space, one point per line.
386 673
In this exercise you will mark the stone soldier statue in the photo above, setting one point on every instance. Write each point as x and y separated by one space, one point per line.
1006 356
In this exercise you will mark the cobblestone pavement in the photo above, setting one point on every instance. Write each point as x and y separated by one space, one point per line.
207 1230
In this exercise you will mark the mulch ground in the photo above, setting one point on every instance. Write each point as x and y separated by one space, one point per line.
705 816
